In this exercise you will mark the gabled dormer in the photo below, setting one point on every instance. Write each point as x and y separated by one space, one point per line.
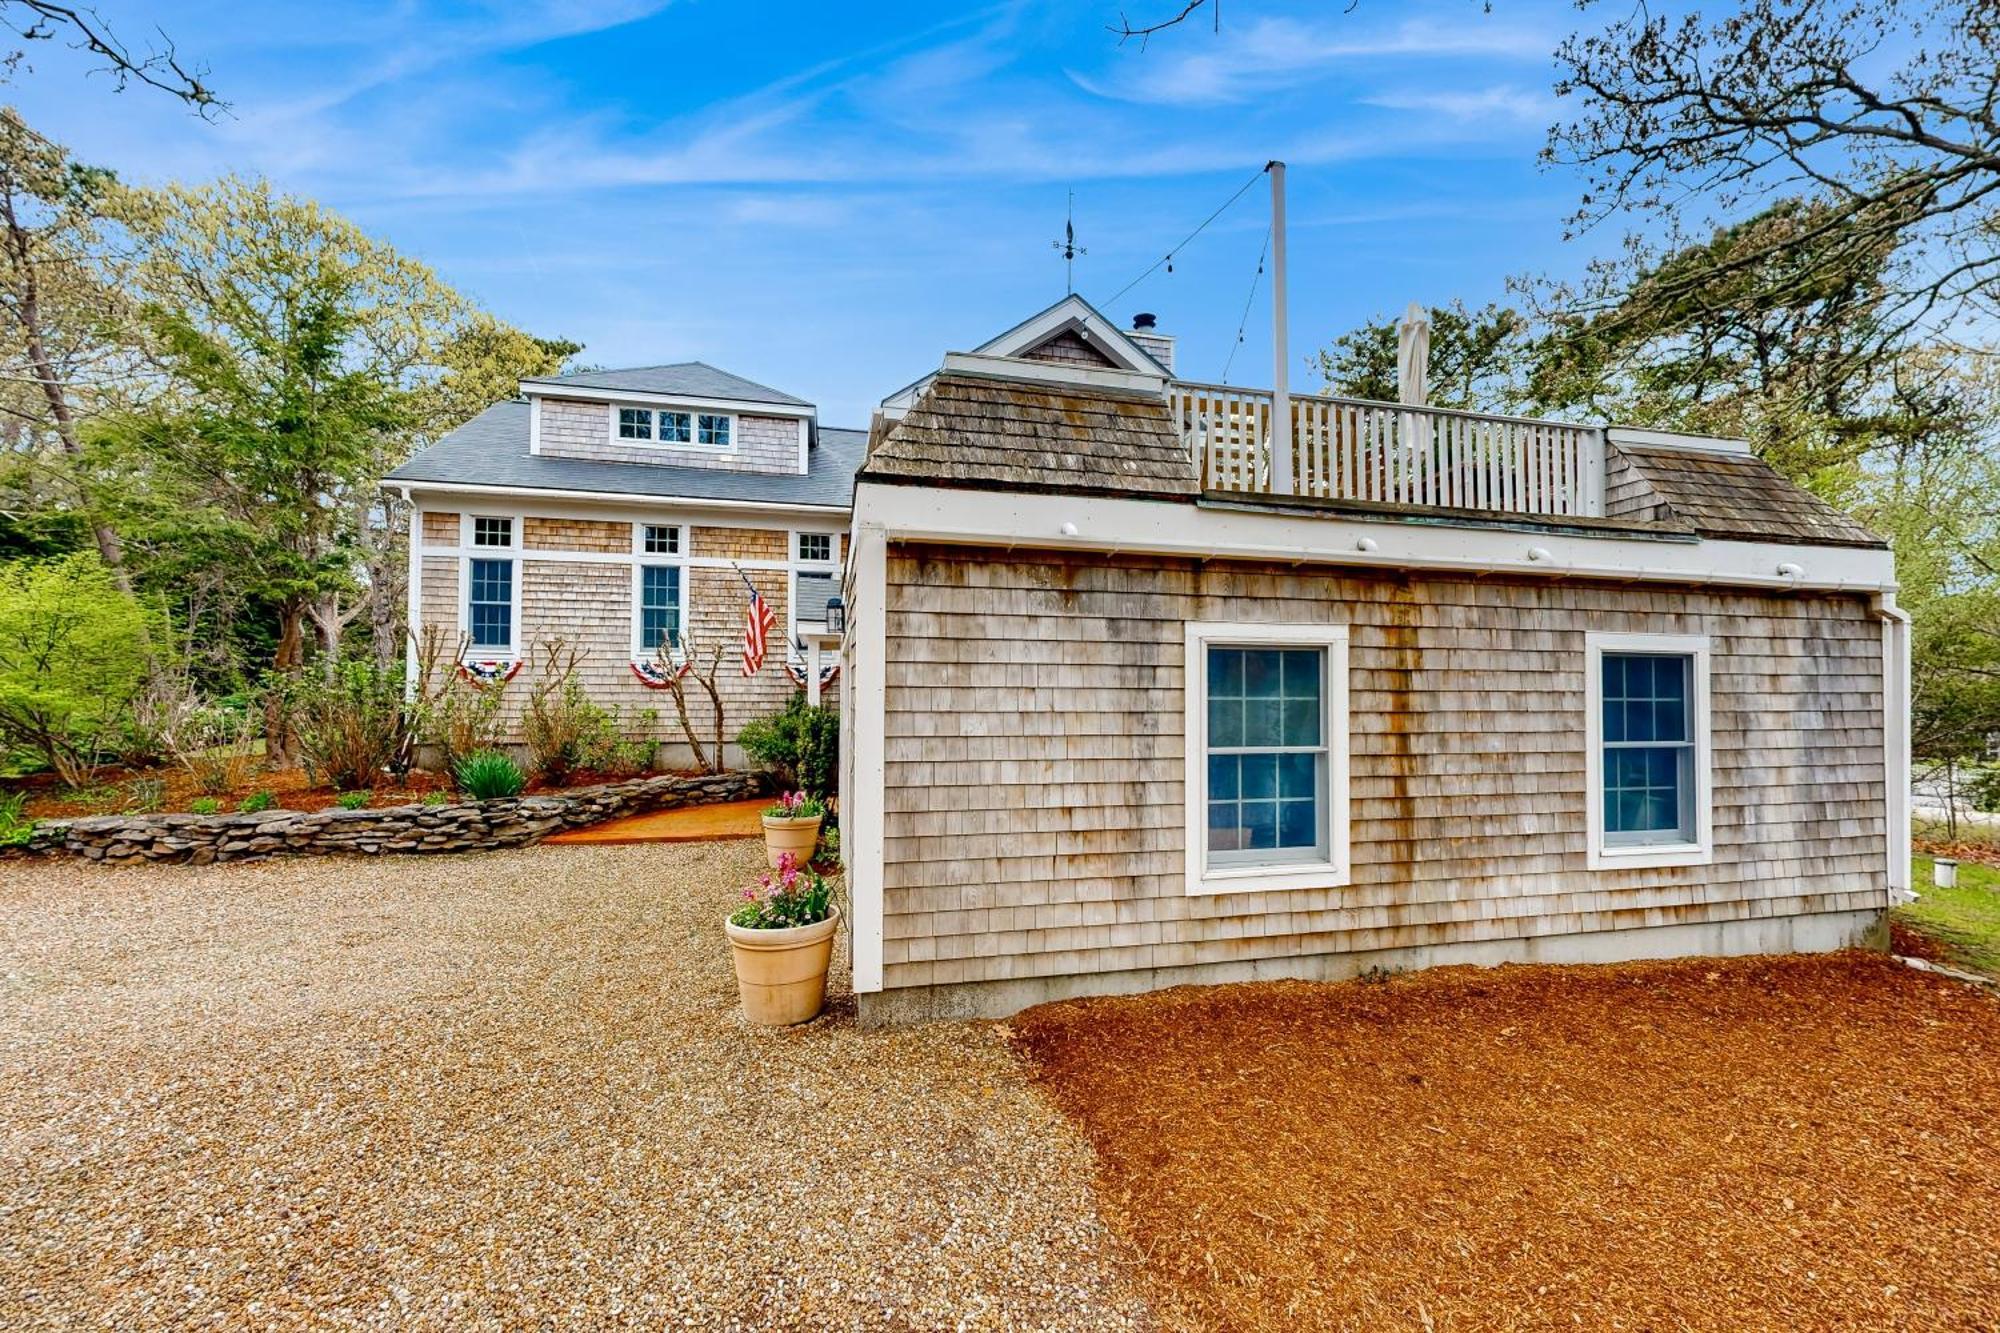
1071 341
684 415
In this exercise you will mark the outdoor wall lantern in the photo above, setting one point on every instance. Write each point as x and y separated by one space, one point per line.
836 616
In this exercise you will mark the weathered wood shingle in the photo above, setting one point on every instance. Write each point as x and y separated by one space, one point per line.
971 431
1722 495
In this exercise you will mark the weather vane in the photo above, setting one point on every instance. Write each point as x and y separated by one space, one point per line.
1068 248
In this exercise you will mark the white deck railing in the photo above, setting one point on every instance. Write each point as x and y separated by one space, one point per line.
1354 449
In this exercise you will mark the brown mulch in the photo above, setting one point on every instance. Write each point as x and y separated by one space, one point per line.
1760 1143
1976 853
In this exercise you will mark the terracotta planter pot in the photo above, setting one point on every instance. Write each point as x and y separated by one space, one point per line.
781 974
797 836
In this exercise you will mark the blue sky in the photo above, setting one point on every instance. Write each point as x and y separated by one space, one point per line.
827 197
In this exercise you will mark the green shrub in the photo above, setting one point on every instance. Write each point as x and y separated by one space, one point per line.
15 826
802 744
255 802
351 727
488 774
72 659
205 805
1983 789
353 800
217 743
565 731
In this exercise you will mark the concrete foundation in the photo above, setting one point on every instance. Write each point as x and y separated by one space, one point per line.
1814 933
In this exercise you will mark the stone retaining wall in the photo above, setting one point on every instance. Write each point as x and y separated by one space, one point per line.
470 827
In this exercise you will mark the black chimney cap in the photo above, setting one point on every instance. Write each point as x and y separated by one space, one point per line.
1145 319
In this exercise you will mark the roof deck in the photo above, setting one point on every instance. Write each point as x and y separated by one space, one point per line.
1390 453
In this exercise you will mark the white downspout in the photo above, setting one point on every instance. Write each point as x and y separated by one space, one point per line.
1896 741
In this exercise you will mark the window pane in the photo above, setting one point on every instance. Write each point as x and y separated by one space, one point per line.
1225 672
1261 673
1301 722
1225 722
490 603
1670 720
1302 673
1298 775
674 428
1639 720
635 423
1263 722
1260 776
1222 770
1225 826
1260 825
1298 825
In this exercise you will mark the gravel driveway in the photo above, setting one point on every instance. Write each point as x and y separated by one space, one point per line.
497 1090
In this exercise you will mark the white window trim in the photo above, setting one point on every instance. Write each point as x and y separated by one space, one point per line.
641 558
694 415
1336 870
1701 851
512 552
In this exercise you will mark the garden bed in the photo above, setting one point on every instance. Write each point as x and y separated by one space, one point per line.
1800 1142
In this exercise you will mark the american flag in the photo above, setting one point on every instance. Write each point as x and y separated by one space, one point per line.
756 633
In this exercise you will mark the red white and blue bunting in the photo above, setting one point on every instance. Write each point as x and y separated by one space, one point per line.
490 672
654 676
795 667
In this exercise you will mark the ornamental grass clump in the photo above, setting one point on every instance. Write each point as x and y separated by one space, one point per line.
792 895
487 775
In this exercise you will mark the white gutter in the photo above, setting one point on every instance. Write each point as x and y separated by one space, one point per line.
606 497
1110 525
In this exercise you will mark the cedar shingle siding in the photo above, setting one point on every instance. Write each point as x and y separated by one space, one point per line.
1722 495
972 431
1034 812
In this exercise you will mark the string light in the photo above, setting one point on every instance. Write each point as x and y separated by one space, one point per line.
1168 258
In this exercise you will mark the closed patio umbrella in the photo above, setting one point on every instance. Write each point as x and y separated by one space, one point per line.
1413 368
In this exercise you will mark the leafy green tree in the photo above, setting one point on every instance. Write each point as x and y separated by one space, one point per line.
72 658
1478 359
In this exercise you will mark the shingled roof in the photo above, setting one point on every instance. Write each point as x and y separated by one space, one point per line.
975 431
1731 496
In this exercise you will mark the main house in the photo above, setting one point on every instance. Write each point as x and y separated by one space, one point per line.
614 511
1148 681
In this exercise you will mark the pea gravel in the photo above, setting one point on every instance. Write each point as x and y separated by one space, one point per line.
503 1090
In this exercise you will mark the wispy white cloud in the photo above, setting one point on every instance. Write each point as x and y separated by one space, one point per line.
1481 105
1258 58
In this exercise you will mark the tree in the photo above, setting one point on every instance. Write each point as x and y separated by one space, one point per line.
298 359
72 659
1478 359
1882 110
60 321
159 67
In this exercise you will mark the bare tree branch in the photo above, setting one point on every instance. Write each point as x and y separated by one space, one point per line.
159 67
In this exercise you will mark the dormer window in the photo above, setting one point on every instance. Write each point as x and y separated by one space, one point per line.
675 428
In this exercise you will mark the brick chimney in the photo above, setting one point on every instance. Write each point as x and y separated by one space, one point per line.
1145 332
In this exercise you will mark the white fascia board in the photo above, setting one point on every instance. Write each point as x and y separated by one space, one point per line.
1117 526
533 389
636 502
1072 312
1667 439
1054 372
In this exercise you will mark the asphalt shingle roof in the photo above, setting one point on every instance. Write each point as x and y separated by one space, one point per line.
492 450
696 379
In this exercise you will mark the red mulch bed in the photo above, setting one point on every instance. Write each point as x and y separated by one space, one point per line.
1780 1143
49 799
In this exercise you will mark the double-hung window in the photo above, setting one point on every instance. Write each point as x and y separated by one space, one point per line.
489 586
1266 757
1648 734
658 579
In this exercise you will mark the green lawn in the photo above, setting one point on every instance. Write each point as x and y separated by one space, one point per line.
1964 920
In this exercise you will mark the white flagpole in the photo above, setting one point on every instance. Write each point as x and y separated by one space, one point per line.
1281 354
